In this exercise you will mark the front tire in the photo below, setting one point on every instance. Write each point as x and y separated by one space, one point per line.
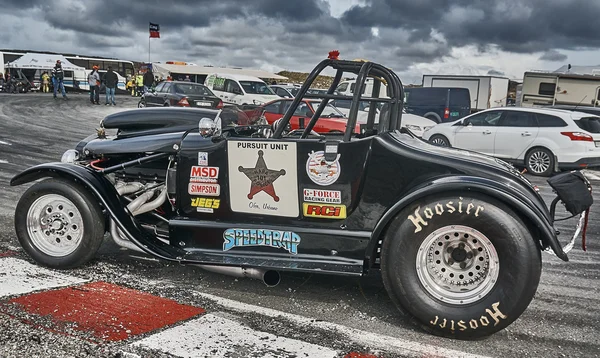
59 223
439 140
540 161
463 267
142 104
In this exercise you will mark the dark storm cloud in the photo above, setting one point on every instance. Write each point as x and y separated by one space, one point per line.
515 25
554 56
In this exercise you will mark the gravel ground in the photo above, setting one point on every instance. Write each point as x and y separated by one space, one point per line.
562 321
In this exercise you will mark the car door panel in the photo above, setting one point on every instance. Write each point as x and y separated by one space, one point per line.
479 135
515 133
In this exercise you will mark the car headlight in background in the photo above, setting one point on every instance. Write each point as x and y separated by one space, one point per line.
70 156
425 129
413 127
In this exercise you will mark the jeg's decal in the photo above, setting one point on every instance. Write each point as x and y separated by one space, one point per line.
203 159
263 178
204 174
327 211
323 196
272 238
320 171
441 208
491 316
208 189
206 205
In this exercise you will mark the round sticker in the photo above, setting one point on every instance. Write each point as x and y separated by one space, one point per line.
321 171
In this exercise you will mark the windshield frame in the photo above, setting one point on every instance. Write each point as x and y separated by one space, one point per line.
249 83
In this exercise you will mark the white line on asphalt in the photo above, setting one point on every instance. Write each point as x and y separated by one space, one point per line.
3 161
18 277
369 339
215 336
5 143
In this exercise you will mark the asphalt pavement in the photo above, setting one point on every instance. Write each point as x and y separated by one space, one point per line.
326 313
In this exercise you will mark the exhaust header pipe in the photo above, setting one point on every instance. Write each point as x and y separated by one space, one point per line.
271 278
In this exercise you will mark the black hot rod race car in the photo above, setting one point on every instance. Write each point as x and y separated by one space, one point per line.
457 236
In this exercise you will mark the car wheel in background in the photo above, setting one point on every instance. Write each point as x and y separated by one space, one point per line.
433 117
439 140
141 103
540 161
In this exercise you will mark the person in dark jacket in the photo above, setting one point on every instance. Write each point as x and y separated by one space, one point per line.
110 81
58 76
148 80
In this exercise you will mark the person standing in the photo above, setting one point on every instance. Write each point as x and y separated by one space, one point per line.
45 82
139 82
110 81
94 82
148 80
58 76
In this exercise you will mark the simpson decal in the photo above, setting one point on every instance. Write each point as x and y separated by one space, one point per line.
324 211
208 189
203 159
321 171
206 205
323 196
286 240
204 174
263 178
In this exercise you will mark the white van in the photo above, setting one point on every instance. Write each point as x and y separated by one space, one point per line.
240 89
347 88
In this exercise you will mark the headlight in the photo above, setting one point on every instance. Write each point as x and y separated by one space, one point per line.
413 128
425 129
70 156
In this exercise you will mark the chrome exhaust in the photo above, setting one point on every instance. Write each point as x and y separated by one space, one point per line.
271 278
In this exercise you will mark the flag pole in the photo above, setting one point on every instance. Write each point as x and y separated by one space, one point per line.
148 48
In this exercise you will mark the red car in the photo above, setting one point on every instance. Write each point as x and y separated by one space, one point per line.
331 120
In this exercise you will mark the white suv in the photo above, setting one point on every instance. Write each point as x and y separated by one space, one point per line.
543 140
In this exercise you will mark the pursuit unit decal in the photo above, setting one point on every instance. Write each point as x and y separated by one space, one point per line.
320 171
279 239
263 178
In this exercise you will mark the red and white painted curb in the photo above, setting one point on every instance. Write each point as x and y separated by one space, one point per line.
110 313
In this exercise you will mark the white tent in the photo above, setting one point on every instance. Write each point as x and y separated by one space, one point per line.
166 69
42 61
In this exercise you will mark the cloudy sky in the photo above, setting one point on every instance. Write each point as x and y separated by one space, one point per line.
412 37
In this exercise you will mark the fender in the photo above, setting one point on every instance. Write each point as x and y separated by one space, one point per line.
106 194
515 199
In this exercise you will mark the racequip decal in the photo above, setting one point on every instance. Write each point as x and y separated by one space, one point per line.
203 159
263 178
206 205
495 315
272 238
208 189
441 208
323 196
204 174
320 171
324 211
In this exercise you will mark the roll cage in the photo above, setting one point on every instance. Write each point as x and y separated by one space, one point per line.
391 114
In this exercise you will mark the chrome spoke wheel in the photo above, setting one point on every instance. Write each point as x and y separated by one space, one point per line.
439 141
539 162
54 225
457 264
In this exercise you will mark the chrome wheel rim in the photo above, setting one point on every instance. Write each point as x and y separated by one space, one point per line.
54 225
439 141
539 162
141 104
457 264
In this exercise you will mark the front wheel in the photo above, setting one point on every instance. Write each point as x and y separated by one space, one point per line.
141 103
59 223
439 140
463 266
540 161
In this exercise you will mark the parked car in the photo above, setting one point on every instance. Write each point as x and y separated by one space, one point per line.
542 140
440 104
285 91
331 120
456 237
180 94
240 89
417 124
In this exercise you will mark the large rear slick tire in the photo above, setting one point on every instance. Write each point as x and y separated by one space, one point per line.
464 267
59 223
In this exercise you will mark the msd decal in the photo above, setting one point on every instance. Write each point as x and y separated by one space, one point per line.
204 174
323 196
208 189
324 211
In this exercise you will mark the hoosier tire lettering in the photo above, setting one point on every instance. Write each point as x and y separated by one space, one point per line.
439 209
495 314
